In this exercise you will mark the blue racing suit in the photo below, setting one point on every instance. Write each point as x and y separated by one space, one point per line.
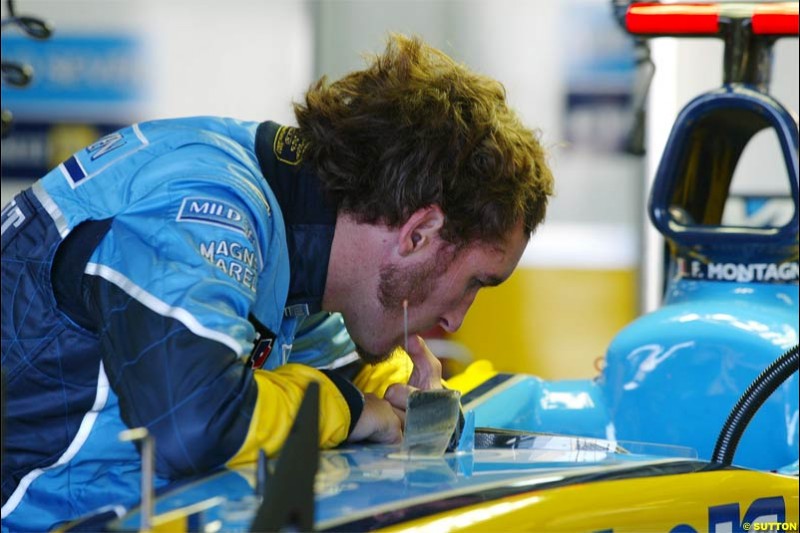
168 276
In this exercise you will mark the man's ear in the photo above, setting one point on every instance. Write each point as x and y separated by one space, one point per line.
421 229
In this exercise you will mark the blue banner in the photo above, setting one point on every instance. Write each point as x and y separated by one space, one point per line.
75 75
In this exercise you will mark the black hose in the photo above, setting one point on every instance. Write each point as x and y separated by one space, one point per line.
752 399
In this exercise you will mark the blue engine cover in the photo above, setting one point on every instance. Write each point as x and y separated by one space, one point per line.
674 375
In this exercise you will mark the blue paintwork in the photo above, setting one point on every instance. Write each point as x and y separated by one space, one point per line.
361 481
529 403
729 98
466 441
674 375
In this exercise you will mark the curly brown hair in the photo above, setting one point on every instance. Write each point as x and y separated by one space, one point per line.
416 129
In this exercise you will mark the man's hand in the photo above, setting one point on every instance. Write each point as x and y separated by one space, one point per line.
379 422
382 420
427 375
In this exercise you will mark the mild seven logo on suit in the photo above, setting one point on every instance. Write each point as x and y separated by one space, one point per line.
214 212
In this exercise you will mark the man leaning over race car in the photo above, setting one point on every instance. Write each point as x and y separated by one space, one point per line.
193 275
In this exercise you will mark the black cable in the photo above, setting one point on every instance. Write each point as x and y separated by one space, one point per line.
16 74
756 394
33 27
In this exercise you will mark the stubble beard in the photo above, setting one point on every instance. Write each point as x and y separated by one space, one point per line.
414 284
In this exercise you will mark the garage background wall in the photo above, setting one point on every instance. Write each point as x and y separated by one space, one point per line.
567 69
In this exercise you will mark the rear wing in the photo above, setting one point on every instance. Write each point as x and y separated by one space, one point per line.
748 30
711 19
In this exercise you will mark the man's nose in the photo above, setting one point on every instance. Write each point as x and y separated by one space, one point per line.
452 320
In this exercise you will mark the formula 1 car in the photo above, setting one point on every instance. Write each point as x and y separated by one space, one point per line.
499 480
657 441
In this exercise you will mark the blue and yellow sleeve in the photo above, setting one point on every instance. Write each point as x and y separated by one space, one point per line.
280 392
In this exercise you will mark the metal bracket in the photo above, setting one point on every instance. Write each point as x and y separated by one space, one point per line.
148 467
